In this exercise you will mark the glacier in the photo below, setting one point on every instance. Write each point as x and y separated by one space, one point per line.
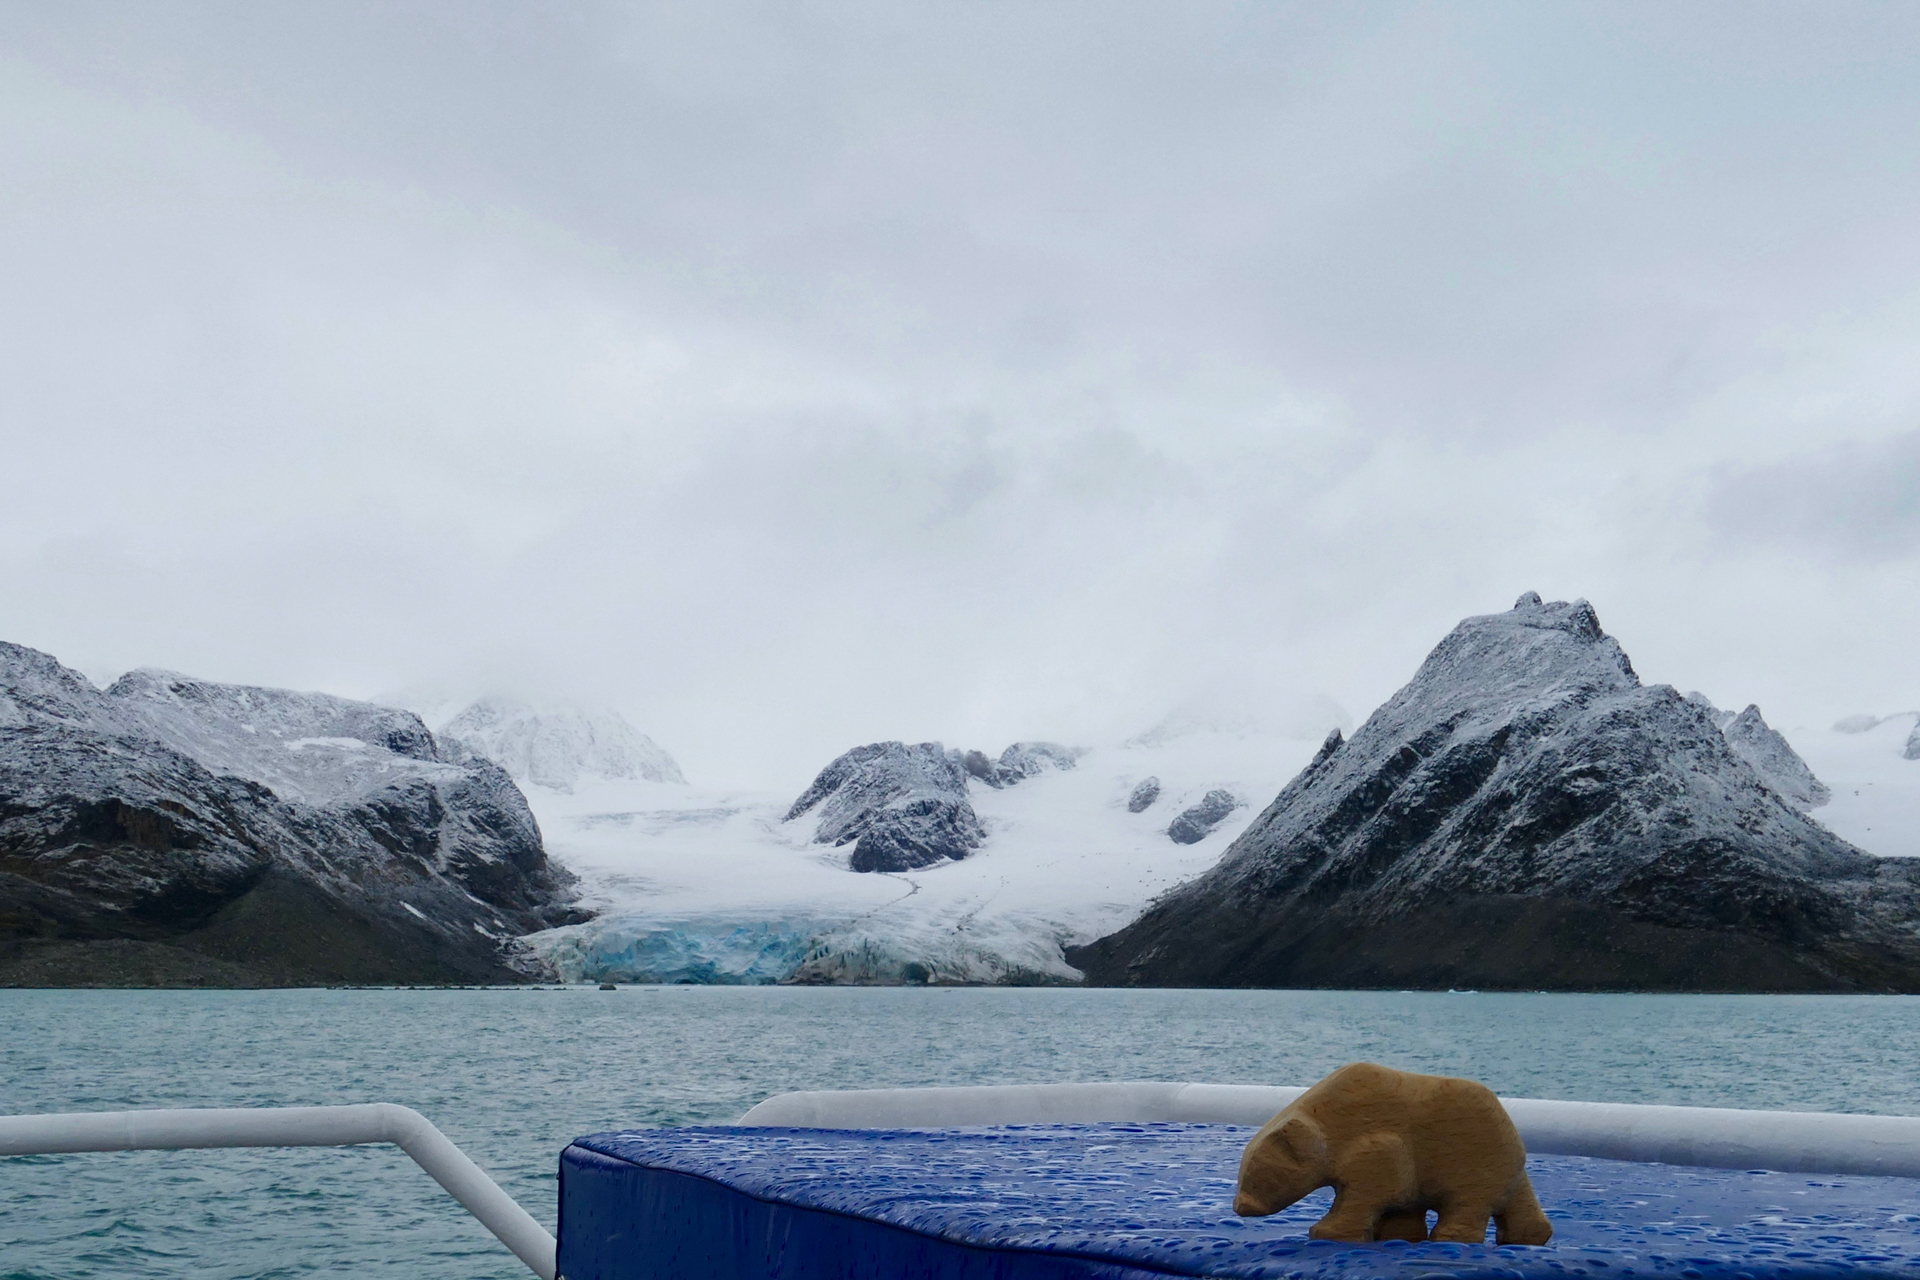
692 884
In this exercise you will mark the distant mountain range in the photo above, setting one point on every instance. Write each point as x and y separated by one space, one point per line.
1524 813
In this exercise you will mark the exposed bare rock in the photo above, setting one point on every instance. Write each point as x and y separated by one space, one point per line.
1721 719
1017 763
1024 760
904 807
900 806
1144 795
1197 822
1756 742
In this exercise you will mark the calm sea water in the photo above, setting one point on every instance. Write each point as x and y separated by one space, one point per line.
512 1075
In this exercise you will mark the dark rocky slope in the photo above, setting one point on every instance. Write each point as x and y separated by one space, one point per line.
904 807
900 806
1526 814
172 831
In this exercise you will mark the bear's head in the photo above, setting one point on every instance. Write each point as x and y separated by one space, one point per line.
1284 1162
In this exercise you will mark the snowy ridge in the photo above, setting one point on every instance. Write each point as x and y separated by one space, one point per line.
557 744
312 747
1761 746
703 886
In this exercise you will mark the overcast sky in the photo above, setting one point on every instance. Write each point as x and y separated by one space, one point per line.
792 376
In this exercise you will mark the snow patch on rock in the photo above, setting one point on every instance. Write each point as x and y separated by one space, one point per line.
900 806
267 735
1197 823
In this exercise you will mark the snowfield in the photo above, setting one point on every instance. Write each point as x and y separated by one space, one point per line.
696 885
1876 793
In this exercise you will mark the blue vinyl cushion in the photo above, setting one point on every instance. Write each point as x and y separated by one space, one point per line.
1138 1201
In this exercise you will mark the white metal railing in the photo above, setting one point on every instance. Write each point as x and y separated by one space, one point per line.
182 1130
1788 1141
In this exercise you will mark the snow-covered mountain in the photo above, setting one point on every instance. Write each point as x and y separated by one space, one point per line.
557 744
203 832
1524 812
708 886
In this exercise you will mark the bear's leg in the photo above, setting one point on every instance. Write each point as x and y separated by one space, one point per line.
1520 1220
1463 1222
1402 1224
1373 1174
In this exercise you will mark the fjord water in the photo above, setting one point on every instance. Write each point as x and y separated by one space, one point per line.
513 1074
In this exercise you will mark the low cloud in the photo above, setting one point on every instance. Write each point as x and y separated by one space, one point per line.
1855 502
797 376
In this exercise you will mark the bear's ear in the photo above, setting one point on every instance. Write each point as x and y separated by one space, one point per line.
1304 1139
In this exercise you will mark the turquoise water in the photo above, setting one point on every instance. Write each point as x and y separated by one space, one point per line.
512 1075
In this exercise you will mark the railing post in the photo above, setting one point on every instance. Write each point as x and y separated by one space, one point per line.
183 1130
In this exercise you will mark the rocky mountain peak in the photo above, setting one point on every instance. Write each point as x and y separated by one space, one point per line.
904 807
36 689
1534 654
1769 754
312 747
1525 812
1017 763
1761 746
1721 719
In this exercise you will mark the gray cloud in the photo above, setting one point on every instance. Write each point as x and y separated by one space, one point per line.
791 375
1855 501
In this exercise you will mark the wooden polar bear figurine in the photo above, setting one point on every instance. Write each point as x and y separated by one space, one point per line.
1394 1145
